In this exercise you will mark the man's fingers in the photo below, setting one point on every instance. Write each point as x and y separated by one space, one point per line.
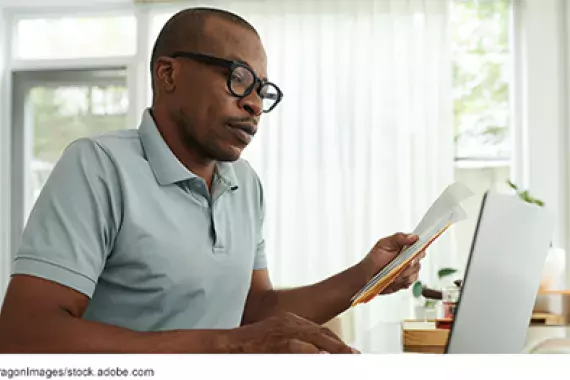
403 239
407 277
398 241
421 255
411 270
328 344
412 279
296 346
392 288
328 332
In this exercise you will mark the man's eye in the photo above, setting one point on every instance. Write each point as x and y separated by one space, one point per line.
238 77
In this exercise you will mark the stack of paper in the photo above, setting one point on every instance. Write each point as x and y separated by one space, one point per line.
443 213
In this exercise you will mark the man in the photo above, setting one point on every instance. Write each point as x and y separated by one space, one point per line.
150 240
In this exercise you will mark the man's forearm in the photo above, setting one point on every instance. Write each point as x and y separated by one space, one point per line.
320 302
68 334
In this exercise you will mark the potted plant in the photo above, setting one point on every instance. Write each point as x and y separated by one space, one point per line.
525 195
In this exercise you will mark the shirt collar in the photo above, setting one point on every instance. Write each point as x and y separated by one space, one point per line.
226 172
165 165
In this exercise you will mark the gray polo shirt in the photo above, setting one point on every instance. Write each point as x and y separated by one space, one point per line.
122 221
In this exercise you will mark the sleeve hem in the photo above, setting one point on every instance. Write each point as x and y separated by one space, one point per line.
260 261
54 272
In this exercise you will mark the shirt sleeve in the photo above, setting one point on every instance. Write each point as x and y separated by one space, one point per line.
74 222
260 261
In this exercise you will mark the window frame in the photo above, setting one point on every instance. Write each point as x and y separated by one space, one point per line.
480 162
93 15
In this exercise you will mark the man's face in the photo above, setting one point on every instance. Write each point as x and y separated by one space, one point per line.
210 120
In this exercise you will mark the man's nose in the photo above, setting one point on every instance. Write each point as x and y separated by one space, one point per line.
252 104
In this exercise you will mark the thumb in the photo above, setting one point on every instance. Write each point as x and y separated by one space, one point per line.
397 241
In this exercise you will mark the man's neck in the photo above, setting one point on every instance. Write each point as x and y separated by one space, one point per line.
192 160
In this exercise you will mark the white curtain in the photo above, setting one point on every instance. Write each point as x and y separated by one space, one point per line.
362 142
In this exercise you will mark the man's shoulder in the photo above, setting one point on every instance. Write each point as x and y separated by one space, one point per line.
120 141
113 145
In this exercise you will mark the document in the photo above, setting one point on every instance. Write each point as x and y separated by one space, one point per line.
442 214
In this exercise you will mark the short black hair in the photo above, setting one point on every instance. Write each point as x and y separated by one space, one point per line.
186 29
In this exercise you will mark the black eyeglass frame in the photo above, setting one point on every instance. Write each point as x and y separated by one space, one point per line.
231 66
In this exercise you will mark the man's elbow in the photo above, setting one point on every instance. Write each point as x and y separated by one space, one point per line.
25 335
10 337
260 306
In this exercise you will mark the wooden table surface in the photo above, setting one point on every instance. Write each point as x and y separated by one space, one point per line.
538 337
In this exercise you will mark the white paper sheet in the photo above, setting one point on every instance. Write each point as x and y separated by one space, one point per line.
444 212
448 203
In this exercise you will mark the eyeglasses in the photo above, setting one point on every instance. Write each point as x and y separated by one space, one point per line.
241 79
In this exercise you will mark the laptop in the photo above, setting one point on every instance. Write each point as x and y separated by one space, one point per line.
502 277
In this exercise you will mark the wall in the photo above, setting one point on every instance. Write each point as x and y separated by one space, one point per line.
542 109
544 59
4 157
566 128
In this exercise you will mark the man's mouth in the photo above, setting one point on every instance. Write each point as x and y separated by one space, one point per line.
243 131
249 128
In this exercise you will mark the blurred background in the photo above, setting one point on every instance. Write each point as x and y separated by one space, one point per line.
386 103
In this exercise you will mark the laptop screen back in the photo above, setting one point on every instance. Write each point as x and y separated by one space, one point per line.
502 277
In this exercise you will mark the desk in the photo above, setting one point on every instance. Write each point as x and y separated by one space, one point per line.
388 338
538 339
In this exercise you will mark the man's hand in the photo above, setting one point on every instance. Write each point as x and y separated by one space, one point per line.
384 252
287 333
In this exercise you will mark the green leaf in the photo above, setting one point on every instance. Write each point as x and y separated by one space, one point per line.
417 289
525 196
444 272
512 185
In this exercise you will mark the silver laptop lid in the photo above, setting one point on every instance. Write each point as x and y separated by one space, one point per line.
502 277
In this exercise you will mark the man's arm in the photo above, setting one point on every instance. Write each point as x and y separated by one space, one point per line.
319 303
65 246
41 316
323 301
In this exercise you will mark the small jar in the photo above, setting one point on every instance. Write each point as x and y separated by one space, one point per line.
450 296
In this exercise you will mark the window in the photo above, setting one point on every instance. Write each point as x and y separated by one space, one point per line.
53 109
48 38
481 75
64 113
481 57
157 23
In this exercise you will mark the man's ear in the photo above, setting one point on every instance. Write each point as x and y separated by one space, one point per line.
165 73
